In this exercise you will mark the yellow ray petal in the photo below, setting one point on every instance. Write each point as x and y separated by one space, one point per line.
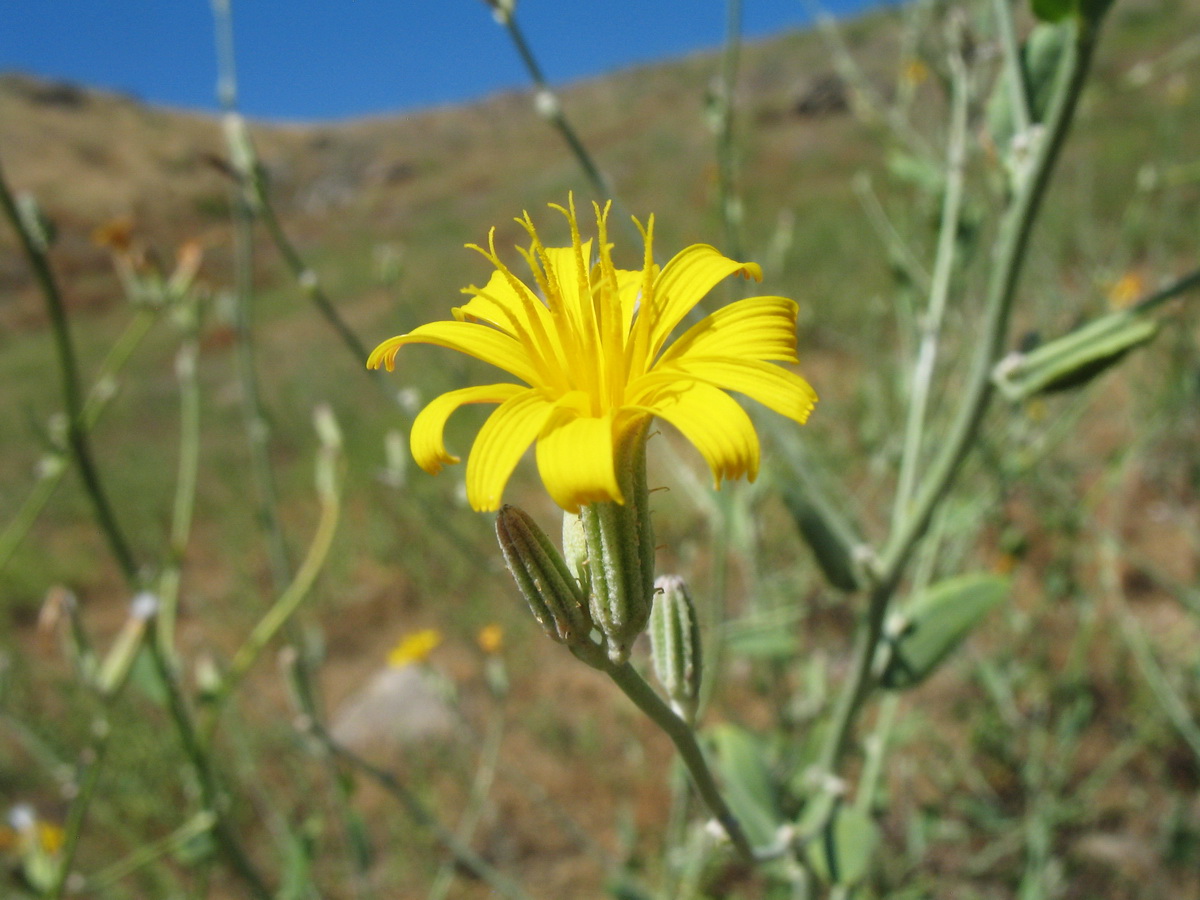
629 289
773 386
754 328
719 428
428 431
566 272
501 443
575 458
503 305
684 281
480 341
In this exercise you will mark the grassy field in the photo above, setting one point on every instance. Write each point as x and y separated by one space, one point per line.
1053 757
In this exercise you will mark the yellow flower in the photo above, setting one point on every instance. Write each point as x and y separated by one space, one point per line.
491 638
50 837
589 341
915 72
414 648
1125 290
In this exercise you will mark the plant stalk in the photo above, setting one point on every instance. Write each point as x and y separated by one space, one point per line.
684 739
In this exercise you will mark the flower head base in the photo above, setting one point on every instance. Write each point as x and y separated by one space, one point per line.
589 341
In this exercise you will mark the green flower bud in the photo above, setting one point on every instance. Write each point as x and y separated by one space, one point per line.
675 645
552 592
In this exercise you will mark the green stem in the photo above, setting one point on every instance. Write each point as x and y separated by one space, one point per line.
53 465
210 792
1180 285
931 326
306 278
731 213
185 492
900 253
481 785
549 107
867 102
1018 85
1012 243
51 468
1173 705
94 761
244 208
253 411
77 438
148 853
289 601
464 855
684 739
555 114
872 774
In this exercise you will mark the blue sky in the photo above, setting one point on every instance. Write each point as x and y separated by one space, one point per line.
321 59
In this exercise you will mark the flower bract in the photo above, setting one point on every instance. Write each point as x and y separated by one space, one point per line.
590 345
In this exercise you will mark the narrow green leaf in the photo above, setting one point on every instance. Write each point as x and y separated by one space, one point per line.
746 776
938 621
842 853
1040 58
1054 10
767 642
1076 358
825 531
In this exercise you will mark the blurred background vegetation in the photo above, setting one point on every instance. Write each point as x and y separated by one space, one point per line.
1057 756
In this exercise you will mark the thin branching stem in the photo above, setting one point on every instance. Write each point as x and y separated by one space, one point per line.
1011 252
901 254
481 786
423 816
150 852
54 463
1018 85
549 106
305 277
684 738
81 454
212 796
92 764
244 210
1181 285
939 292
281 612
867 103
185 490
1012 245
728 198
77 435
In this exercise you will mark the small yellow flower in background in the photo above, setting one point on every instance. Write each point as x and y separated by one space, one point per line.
1125 290
26 833
51 837
915 72
491 638
115 235
414 648
1005 564
589 341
